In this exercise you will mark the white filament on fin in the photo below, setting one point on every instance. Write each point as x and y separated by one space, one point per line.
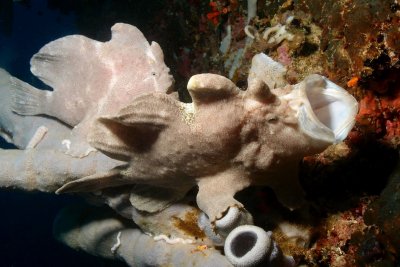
118 244
37 137
173 240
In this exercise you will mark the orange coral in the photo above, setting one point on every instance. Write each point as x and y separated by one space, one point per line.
380 114
217 9
353 82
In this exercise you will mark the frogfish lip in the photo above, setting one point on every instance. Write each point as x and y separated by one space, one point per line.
325 111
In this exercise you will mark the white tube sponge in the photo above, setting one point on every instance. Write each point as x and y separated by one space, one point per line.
249 245
251 10
178 221
223 226
101 232
264 68
46 170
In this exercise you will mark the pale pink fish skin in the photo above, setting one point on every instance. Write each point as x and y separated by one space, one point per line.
92 78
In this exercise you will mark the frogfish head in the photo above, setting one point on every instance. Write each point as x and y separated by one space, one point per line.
324 110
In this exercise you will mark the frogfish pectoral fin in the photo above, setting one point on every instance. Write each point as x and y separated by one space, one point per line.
216 193
143 198
95 182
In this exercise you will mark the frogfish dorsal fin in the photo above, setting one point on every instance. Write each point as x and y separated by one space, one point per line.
208 87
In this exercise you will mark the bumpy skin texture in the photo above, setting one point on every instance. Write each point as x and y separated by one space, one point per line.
204 153
228 140
92 79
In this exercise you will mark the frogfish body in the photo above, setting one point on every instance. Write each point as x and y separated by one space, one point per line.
224 141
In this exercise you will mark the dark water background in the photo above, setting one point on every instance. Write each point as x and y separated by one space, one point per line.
26 218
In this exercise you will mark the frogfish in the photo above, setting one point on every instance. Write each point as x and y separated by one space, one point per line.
225 140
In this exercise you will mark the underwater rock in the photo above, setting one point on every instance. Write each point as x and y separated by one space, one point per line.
355 33
385 212
379 116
